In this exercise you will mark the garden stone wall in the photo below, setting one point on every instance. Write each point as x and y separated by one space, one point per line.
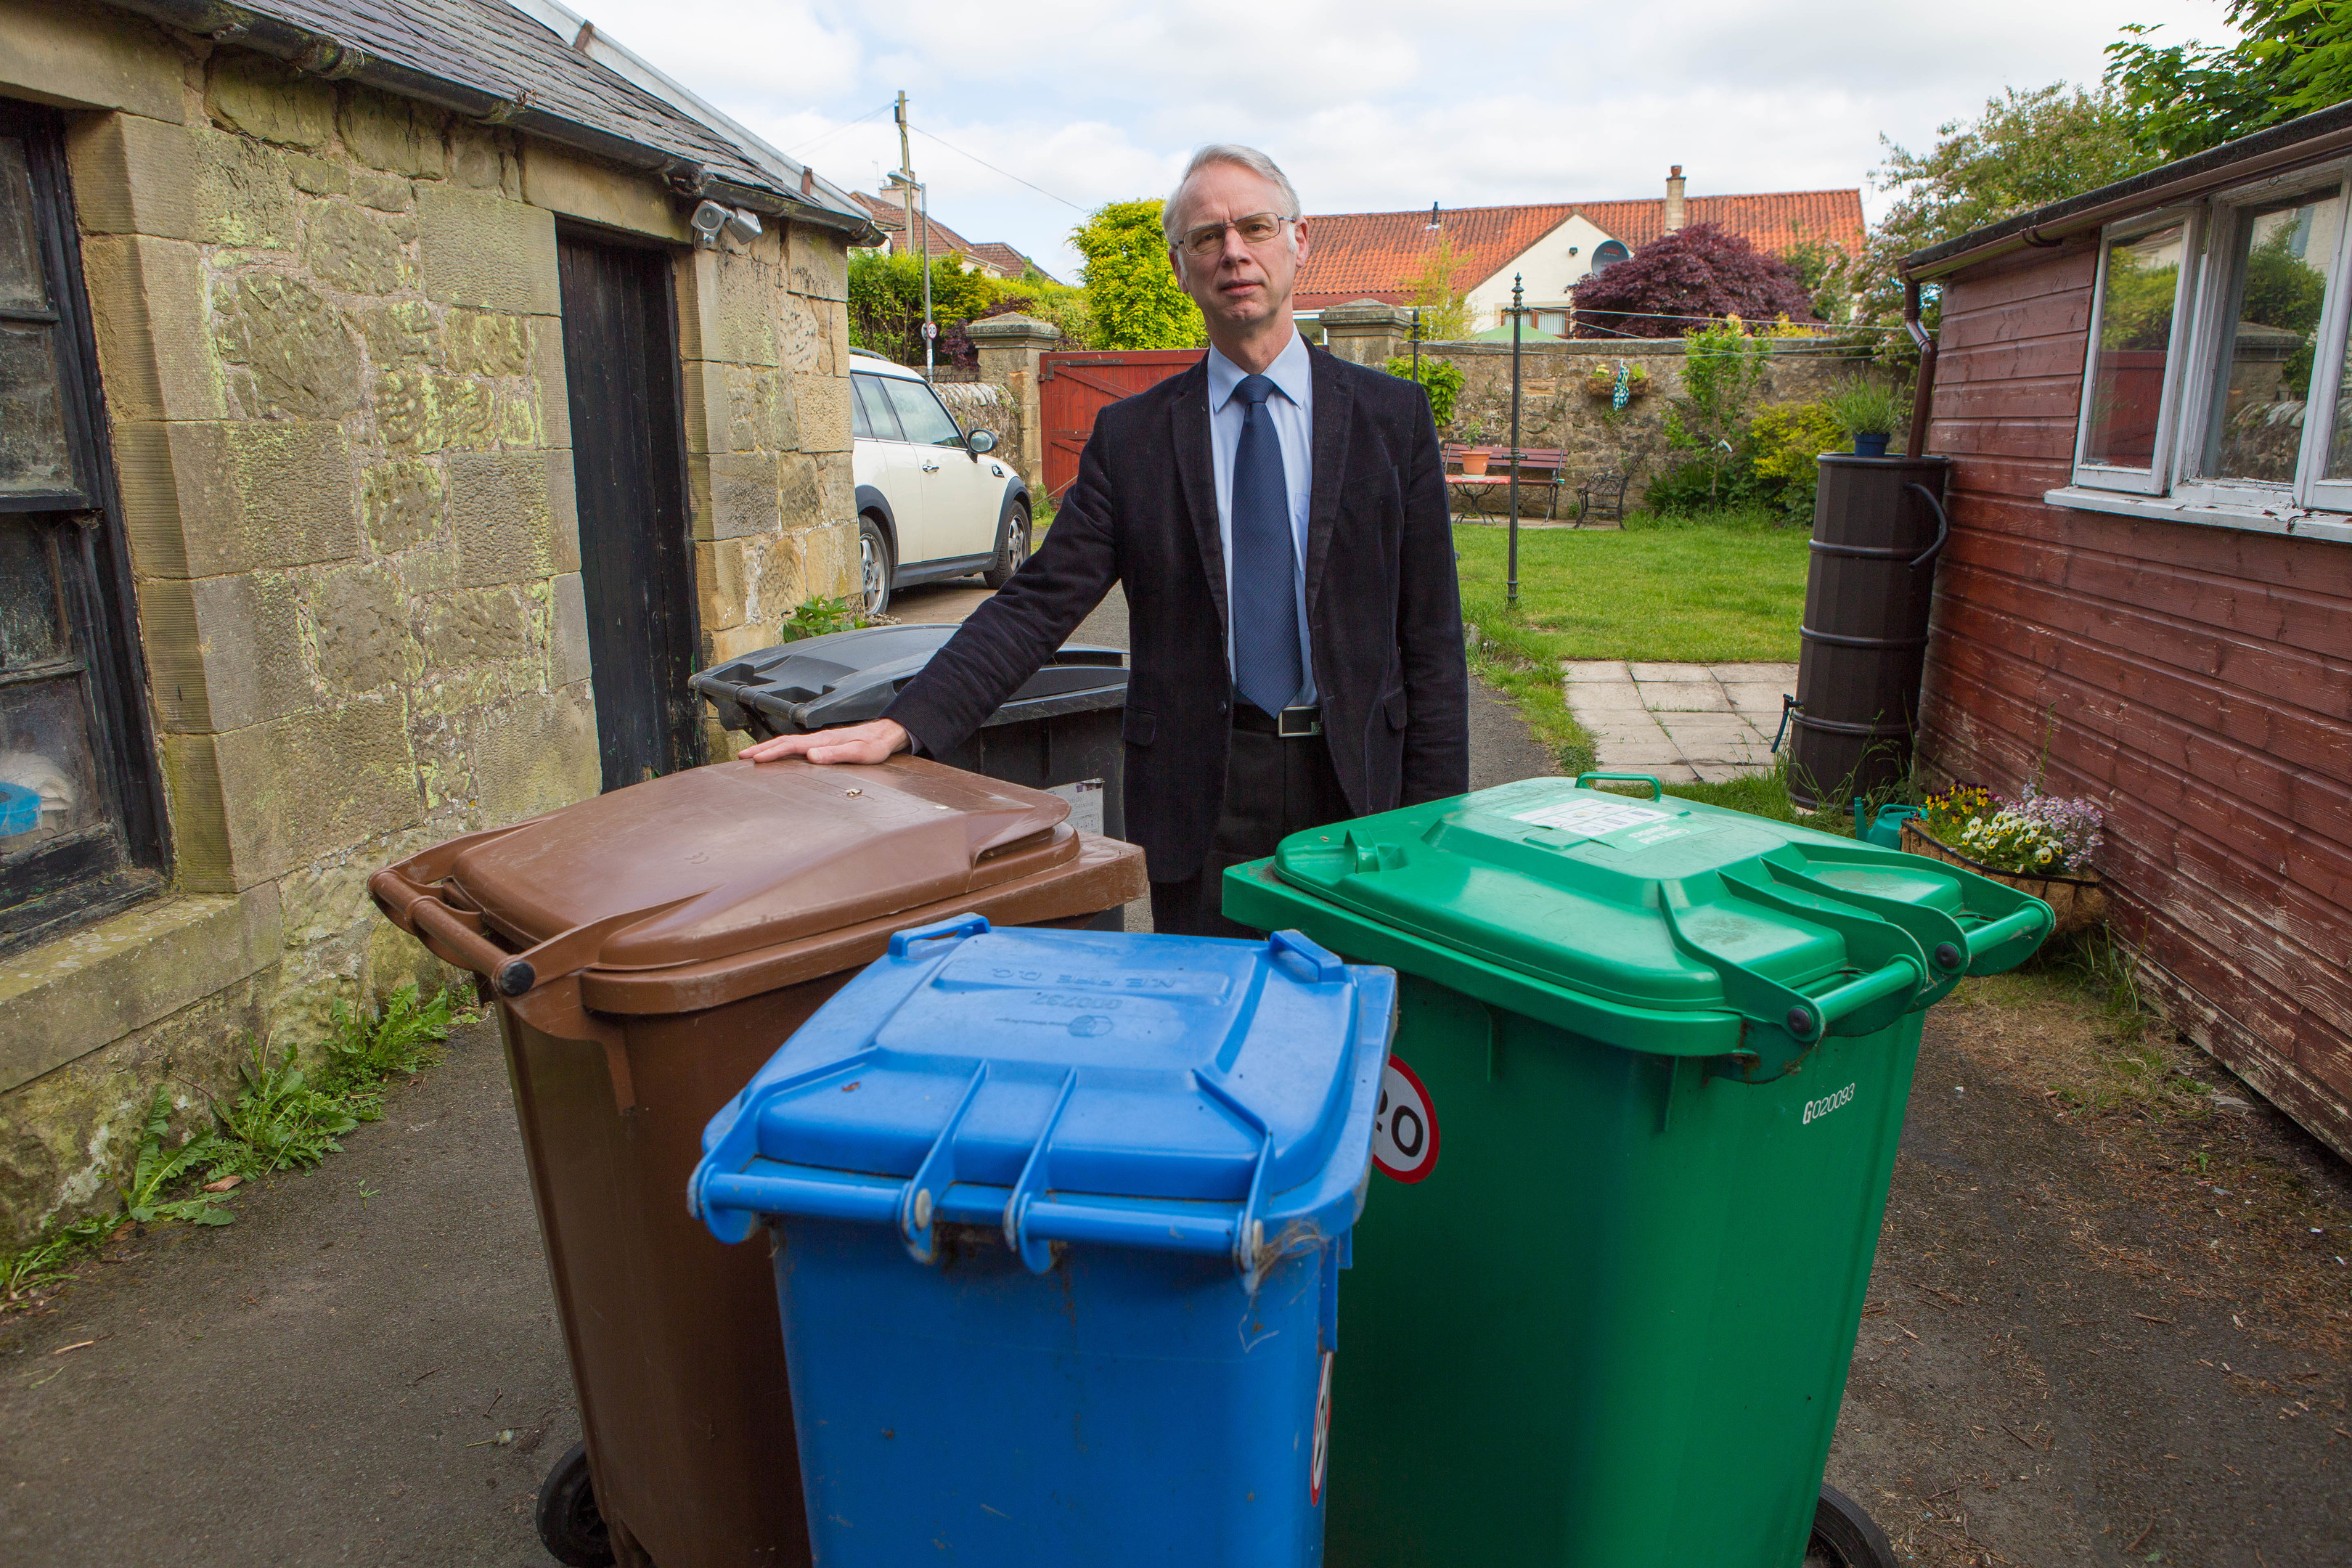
330 333
1556 411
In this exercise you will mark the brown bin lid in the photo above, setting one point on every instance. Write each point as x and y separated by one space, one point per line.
739 856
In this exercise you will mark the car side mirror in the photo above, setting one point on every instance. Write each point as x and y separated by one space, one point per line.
980 441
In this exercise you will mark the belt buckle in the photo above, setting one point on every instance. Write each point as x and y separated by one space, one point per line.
1298 724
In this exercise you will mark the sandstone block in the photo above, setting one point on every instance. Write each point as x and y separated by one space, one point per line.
297 354
84 58
480 248
384 193
400 505
201 861
801 501
154 349
499 513
205 499
298 787
260 97
316 176
359 624
352 249
740 317
734 642
734 494
484 343
401 336
553 394
759 412
822 404
568 636
223 652
475 626
722 582
392 133
563 508
480 158
580 187
537 753
818 259
800 332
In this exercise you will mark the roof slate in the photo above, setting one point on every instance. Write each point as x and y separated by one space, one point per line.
493 49
1377 255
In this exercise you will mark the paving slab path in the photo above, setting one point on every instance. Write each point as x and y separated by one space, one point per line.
1687 724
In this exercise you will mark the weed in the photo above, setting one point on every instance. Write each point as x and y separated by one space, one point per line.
815 618
154 1172
369 1046
281 1121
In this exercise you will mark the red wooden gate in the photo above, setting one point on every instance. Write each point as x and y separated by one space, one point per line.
1073 386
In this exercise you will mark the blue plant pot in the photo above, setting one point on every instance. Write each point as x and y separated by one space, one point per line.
1870 445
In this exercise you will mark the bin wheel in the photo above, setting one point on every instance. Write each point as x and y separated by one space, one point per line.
1846 1537
569 1525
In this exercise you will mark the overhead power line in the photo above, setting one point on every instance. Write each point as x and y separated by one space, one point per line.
993 169
829 135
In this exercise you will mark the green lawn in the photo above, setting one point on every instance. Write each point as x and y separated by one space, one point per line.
1699 590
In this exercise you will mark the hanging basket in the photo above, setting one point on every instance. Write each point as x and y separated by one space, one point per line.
2078 902
1604 384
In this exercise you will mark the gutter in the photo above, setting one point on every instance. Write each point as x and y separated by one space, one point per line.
322 55
2310 138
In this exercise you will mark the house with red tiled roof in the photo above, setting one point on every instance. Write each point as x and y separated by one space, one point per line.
1551 247
993 257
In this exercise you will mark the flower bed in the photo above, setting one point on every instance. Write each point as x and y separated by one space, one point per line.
2040 843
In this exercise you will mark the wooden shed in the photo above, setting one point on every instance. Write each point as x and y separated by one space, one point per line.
2147 598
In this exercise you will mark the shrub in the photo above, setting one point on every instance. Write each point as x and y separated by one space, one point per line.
1132 294
1866 408
1440 378
1698 274
1783 445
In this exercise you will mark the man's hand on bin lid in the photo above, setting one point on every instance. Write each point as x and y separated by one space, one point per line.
874 741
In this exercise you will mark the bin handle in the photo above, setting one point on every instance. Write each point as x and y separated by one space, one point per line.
510 976
955 926
1898 975
1036 1253
1320 961
2034 919
918 1203
1657 790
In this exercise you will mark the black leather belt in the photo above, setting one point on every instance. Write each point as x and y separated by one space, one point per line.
1291 723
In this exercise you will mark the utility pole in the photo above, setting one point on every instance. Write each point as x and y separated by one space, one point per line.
910 189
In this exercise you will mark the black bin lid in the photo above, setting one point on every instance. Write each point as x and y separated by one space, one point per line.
848 677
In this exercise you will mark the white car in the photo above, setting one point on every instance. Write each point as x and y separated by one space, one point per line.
931 502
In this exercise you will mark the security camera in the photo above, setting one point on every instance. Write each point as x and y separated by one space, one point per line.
707 220
743 227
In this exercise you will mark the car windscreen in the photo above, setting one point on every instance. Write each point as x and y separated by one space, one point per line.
927 422
869 411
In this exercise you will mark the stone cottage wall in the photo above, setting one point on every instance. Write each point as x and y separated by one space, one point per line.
330 333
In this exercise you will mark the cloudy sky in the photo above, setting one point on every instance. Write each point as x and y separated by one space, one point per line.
1369 104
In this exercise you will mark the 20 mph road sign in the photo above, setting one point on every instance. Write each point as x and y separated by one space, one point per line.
1404 1132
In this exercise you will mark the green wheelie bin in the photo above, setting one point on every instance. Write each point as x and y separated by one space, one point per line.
1650 1068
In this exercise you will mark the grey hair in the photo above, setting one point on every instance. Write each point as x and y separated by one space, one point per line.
1240 157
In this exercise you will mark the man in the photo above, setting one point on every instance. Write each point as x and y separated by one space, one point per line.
1278 519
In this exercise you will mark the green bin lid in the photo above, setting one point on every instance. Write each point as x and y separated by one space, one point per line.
1670 911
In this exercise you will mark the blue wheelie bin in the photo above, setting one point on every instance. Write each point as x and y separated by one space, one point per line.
1057 1219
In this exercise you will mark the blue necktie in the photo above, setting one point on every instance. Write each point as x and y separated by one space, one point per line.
1265 561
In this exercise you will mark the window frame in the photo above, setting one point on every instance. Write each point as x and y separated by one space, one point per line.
2310 504
98 589
2154 480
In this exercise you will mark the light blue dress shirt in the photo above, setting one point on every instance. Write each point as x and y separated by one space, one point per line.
1292 408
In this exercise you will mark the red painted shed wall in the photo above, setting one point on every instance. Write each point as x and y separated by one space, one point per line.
2195 681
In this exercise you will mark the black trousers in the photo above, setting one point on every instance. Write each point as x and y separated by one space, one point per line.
1273 788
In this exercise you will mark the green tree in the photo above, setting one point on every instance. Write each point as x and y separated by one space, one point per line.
885 301
1446 312
2025 151
2295 57
1441 379
1132 296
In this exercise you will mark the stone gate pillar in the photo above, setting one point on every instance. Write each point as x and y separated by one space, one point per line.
1009 347
1368 331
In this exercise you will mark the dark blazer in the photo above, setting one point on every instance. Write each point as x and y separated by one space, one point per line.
1383 609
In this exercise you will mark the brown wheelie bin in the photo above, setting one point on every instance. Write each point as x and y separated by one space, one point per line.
648 951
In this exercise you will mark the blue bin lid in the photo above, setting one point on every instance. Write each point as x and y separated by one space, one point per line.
1182 1093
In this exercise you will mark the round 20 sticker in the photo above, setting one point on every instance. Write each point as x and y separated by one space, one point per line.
1404 1129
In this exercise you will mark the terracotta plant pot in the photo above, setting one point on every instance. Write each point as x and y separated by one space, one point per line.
2078 902
1474 462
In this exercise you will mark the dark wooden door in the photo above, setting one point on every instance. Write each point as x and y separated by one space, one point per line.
1073 385
628 462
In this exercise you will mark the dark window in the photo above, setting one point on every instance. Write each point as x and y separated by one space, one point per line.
79 834
865 393
926 424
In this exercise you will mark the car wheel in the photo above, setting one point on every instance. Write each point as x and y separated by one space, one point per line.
1015 551
874 566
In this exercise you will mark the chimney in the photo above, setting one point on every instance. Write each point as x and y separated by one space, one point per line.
1674 198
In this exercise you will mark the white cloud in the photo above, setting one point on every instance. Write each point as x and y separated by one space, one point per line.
1367 103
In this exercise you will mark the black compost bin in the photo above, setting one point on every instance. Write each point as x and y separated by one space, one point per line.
1878 527
1060 731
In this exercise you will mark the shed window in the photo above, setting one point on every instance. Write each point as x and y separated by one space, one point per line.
78 822
2217 373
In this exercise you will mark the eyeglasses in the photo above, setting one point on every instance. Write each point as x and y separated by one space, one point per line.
1208 238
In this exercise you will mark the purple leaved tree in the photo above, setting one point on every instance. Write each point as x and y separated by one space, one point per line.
1676 284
